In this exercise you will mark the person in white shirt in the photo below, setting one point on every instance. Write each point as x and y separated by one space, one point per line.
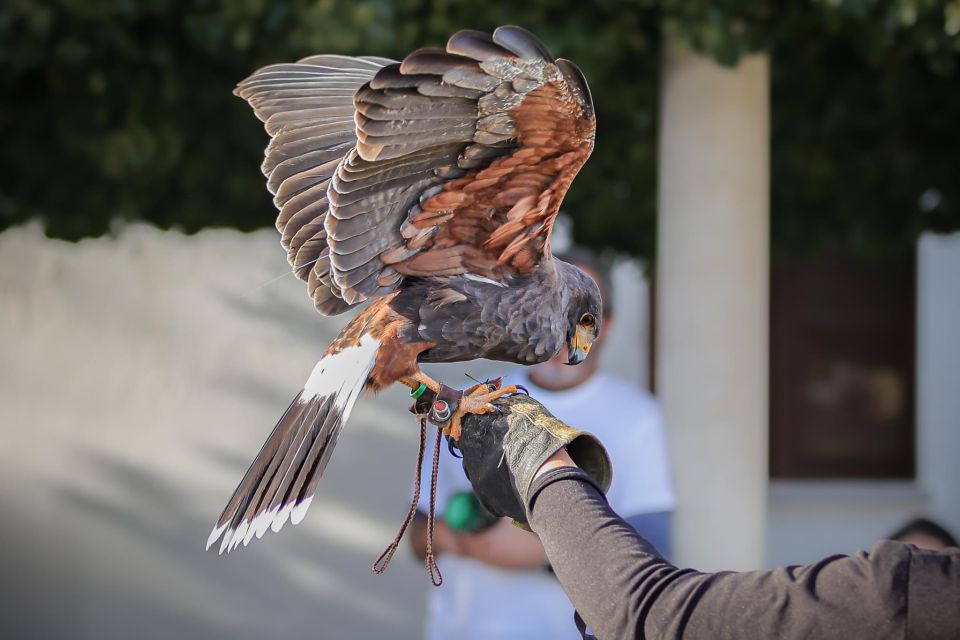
496 582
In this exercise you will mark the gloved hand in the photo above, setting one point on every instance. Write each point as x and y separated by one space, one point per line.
502 453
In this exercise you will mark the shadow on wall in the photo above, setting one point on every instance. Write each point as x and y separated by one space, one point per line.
136 567
142 375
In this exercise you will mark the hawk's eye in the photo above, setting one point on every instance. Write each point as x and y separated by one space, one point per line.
587 320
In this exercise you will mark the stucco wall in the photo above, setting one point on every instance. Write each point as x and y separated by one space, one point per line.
140 374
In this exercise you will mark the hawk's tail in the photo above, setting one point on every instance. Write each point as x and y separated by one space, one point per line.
282 479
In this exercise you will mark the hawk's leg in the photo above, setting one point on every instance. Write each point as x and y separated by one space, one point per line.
419 378
478 400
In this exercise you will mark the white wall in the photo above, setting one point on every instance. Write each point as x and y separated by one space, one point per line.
627 350
139 377
938 376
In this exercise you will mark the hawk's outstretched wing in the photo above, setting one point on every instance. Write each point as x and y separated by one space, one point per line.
307 108
460 161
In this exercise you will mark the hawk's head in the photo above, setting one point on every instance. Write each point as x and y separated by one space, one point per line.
584 311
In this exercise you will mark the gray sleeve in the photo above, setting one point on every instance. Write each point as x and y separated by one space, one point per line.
623 589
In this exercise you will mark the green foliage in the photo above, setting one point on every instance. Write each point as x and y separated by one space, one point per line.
119 109
865 138
864 102
123 109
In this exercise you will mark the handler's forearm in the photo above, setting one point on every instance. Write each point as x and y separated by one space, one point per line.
624 590
598 558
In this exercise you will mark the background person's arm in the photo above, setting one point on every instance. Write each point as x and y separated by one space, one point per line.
503 545
444 538
623 589
508 547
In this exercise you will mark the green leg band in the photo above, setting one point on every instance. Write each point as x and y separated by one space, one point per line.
416 393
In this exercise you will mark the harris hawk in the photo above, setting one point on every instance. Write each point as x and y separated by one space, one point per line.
427 188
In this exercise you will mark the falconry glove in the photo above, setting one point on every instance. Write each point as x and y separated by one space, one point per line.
502 453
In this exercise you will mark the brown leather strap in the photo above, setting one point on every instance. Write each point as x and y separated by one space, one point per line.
381 563
431 561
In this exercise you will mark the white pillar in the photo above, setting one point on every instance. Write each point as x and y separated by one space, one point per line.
938 369
712 303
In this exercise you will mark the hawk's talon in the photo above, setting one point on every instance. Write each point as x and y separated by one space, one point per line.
453 449
445 407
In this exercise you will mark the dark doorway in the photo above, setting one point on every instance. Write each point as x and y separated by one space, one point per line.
842 348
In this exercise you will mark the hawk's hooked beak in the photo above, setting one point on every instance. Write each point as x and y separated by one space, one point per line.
580 345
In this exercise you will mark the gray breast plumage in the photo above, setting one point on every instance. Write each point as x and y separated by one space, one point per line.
470 318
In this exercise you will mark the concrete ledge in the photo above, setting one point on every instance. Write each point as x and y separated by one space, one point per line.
798 492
